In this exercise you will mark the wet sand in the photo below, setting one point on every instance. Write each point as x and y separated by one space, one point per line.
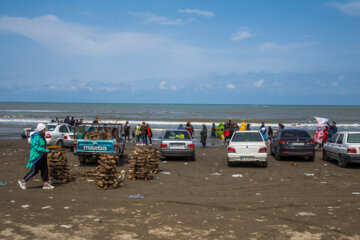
197 200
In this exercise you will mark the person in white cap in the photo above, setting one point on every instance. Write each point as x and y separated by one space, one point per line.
37 161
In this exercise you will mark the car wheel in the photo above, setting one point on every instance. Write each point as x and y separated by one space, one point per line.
341 162
82 160
277 155
230 164
263 164
325 156
60 143
312 158
192 158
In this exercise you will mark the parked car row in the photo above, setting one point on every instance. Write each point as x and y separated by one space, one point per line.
250 146
244 146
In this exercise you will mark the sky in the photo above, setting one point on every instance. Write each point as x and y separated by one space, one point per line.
162 51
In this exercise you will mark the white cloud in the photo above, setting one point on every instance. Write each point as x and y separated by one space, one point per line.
230 86
148 17
276 83
241 34
75 39
174 88
198 12
259 84
334 84
162 85
269 46
341 77
349 8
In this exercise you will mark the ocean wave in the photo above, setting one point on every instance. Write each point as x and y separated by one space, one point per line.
31 110
162 125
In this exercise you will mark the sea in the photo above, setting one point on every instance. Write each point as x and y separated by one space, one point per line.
15 116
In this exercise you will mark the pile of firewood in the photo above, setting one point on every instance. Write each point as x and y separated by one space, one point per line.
144 162
99 135
59 168
107 177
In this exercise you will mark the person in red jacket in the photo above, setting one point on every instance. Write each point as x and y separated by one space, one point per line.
325 137
149 133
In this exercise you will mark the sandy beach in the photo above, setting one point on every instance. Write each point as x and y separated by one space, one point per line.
291 199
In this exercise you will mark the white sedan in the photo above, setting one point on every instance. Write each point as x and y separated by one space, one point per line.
61 134
247 146
343 147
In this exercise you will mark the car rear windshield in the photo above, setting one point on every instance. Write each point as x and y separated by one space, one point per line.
295 134
353 138
177 135
50 128
247 137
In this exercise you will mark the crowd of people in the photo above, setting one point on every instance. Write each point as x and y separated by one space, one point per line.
73 122
322 135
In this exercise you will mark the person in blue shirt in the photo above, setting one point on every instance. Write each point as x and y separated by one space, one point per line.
263 131
332 129
181 127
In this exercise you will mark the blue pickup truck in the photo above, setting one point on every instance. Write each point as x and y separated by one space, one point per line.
93 140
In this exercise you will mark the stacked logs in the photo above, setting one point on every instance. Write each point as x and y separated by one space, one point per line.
59 167
99 135
107 177
144 162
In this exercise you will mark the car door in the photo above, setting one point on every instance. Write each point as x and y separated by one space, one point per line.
69 136
64 131
275 141
330 149
338 145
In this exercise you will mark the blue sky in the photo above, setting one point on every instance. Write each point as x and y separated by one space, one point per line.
240 51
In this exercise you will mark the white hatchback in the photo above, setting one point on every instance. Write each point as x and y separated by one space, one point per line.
343 147
247 146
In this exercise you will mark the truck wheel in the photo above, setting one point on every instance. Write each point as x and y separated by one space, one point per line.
341 161
60 143
264 164
82 160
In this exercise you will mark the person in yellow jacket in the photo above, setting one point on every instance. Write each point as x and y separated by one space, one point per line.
243 126
38 161
137 134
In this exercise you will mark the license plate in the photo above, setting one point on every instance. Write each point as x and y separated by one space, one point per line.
297 144
246 158
177 145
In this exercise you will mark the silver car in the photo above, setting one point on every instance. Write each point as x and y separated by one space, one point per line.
61 134
177 143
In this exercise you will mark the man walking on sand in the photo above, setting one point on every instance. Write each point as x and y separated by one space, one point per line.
38 160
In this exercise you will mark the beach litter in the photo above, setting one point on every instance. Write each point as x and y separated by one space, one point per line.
13 201
355 193
309 174
66 226
215 174
3 184
166 173
237 175
46 207
24 206
136 196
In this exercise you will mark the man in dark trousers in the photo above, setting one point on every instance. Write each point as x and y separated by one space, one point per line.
213 131
127 130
